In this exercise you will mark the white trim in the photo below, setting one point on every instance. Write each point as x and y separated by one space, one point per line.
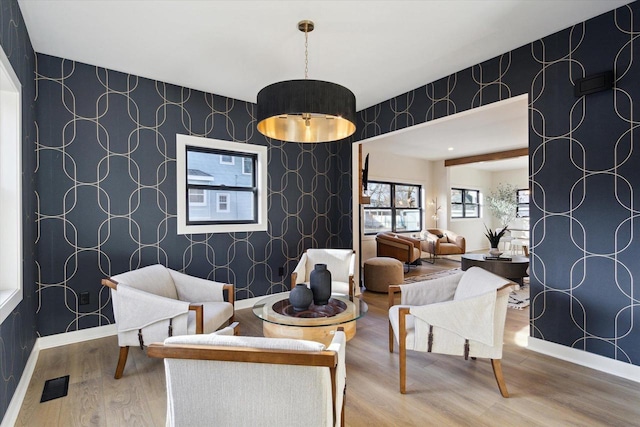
261 176
13 410
73 337
583 358
11 287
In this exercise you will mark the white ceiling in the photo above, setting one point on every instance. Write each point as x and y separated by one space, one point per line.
378 49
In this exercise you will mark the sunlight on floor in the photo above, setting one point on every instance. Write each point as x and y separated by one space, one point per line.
522 337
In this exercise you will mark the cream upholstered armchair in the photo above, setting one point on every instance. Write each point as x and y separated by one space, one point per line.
155 302
443 242
218 380
461 314
340 262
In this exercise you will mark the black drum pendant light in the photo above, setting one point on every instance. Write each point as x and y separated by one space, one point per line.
306 110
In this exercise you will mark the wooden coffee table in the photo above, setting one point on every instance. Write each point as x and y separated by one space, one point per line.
514 269
276 324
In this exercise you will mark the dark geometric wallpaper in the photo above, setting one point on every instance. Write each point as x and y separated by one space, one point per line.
99 185
18 331
584 168
106 186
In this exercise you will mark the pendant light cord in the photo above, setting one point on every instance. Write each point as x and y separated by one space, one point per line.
306 52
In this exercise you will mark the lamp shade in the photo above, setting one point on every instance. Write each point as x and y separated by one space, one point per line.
306 111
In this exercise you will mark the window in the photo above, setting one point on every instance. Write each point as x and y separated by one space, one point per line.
465 203
247 167
221 186
11 289
223 202
196 197
227 160
394 207
522 211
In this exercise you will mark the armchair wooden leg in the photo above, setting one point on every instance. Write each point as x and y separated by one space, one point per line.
391 338
122 360
497 371
402 348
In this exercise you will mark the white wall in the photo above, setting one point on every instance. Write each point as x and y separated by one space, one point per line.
472 228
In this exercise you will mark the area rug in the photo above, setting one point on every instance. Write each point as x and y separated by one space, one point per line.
517 299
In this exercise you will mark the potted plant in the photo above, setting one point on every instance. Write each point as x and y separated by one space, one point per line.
502 203
494 239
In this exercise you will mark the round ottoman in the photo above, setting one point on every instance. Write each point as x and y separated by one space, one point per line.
380 272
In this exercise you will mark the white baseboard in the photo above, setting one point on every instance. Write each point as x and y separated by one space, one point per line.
76 336
11 416
583 358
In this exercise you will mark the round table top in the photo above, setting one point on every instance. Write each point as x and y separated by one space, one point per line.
515 259
264 309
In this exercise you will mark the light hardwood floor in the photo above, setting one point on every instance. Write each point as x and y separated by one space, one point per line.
441 390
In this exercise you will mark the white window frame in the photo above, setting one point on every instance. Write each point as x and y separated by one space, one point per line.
11 288
182 141
226 202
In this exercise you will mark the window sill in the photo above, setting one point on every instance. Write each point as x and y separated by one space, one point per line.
9 300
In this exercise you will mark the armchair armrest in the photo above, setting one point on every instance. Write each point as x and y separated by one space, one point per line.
199 309
192 288
393 290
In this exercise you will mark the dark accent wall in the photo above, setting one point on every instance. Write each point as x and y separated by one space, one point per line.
106 185
18 331
584 173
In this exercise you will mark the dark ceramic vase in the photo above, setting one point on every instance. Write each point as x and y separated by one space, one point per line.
300 297
320 282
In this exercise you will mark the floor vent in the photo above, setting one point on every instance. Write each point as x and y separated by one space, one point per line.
55 388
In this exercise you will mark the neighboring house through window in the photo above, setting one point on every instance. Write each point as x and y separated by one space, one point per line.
221 186
223 202
247 166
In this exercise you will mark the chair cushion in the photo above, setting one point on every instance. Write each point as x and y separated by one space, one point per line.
244 341
154 279
338 262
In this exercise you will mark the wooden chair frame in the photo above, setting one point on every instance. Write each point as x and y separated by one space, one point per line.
198 308
325 358
402 346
